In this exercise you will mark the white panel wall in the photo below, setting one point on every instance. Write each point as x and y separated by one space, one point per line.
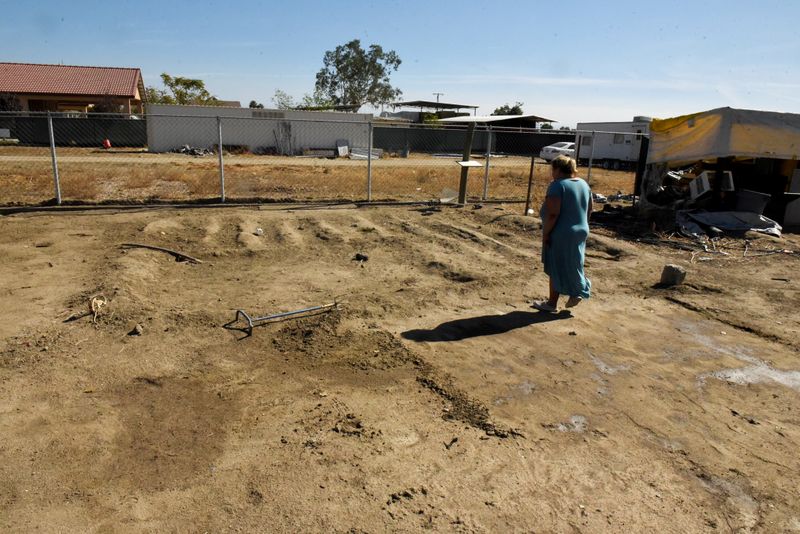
171 127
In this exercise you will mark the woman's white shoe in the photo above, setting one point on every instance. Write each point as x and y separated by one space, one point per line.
544 306
574 301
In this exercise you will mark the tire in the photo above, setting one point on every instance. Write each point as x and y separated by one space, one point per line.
606 165
616 165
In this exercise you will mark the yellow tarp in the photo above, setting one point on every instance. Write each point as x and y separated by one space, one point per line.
722 133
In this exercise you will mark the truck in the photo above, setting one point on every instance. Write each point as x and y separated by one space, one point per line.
612 145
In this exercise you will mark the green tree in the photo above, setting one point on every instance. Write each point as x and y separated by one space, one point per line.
505 109
106 105
283 100
430 119
316 100
158 96
567 128
256 105
546 126
9 102
353 76
182 91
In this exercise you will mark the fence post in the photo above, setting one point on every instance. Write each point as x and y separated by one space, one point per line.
369 163
53 157
530 188
641 166
462 185
486 170
221 164
591 158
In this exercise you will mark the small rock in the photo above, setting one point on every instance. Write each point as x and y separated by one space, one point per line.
259 232
573 333
360 257
672 275
137 330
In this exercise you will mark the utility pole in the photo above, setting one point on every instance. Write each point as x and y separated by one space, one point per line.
437 95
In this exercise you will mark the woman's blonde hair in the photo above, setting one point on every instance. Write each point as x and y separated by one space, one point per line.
566 165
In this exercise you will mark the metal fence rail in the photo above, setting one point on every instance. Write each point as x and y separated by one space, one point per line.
94 158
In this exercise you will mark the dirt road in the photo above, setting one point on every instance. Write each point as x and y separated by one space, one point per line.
433 398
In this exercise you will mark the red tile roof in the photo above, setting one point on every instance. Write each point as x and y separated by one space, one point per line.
68 80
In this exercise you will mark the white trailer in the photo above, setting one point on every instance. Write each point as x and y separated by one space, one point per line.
616 144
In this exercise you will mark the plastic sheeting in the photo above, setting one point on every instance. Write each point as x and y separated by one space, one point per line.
693 223
724 132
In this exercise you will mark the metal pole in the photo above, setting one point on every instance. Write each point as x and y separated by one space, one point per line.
486 169
591 158
221 164
369 163
462 186
641 166
53 157
530 187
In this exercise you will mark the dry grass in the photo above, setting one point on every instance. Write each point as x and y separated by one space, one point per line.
95 176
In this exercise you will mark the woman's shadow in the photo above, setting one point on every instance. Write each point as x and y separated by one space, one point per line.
485 325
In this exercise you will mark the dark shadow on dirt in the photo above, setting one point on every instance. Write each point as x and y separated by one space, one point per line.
486 325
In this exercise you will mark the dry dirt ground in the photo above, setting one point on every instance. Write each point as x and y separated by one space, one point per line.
434 398
92 175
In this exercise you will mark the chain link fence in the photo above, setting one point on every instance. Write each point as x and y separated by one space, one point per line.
99 158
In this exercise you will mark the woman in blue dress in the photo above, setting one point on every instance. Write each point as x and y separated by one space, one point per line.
565 220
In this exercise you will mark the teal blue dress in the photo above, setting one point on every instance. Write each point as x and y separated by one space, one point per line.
563 258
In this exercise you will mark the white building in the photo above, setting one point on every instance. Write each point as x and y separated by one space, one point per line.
286 132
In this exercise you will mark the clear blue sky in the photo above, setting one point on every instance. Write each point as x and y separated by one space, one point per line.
572 61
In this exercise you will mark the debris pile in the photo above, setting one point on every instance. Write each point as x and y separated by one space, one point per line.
619 196
699 224
364 153
193 151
